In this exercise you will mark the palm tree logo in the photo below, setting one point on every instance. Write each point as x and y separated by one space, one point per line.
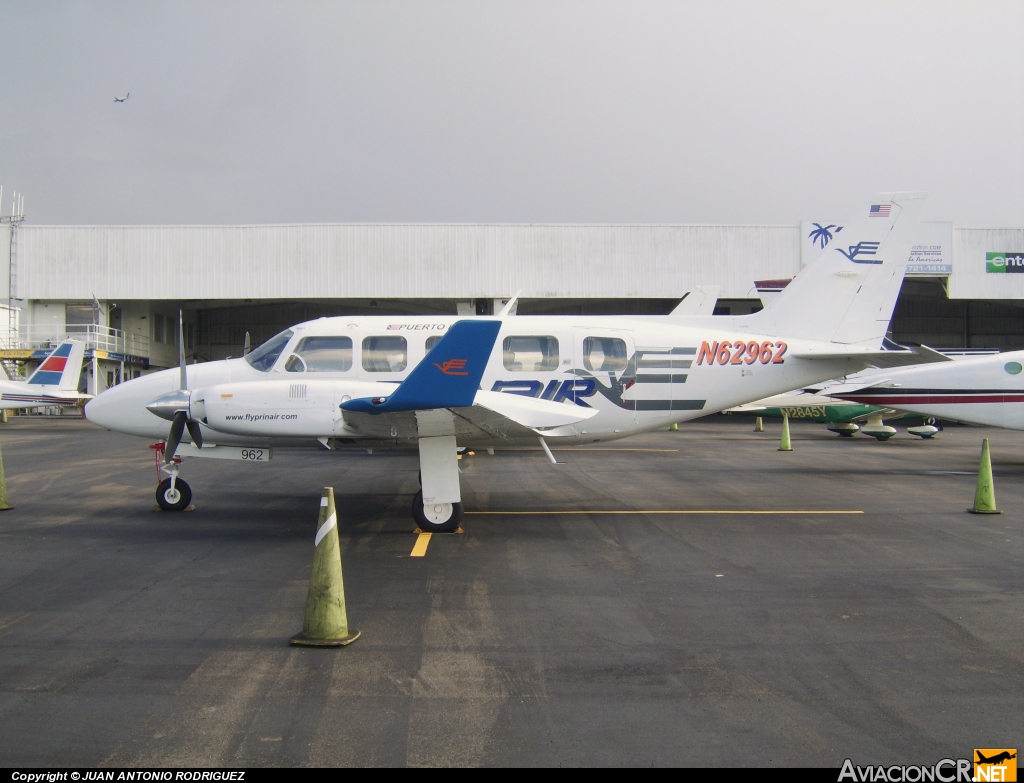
823 234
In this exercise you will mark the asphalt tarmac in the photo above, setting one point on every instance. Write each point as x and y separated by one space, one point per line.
892 636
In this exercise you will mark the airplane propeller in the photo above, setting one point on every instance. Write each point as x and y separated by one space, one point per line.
176 406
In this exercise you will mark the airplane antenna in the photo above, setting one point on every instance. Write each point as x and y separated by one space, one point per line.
510 305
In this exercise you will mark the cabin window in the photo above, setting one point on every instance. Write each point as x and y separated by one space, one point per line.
604 354
433 340
385 354
530 354
264 357
321 354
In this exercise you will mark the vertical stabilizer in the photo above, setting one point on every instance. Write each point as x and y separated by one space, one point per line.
61 368
848 294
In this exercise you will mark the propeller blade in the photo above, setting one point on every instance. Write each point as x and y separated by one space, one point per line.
247 347
195 432
181 352
174 436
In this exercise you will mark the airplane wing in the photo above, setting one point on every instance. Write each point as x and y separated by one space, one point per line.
493 415
442 396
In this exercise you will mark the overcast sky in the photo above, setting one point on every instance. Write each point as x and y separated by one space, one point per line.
603 112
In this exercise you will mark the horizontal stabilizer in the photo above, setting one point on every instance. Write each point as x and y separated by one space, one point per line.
870 358
532 413
447 377
850 388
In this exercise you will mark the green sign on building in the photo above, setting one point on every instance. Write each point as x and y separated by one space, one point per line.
1004 262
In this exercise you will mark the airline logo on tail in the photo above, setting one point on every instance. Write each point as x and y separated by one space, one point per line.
452 367
52 368
862 249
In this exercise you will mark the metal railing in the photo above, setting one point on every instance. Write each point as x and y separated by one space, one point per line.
95 337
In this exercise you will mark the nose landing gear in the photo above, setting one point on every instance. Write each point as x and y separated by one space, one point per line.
173 493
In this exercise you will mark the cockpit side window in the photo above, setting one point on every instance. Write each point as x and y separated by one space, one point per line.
264 357
530 354
321 354
604 354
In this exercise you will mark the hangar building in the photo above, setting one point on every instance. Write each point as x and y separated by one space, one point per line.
120 287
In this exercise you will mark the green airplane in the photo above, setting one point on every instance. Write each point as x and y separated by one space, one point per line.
841 417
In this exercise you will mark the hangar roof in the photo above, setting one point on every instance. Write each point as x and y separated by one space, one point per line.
446 261
398 260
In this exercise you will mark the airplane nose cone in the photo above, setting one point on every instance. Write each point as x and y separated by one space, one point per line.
101 410
166 405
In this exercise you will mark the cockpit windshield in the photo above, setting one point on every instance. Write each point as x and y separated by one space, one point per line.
263 358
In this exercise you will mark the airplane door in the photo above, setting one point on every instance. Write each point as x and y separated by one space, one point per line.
605 369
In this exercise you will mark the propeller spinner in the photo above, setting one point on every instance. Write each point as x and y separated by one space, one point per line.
176 407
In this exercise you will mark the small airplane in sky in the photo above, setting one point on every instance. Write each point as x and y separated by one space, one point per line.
982 390
121 100
54 382
511 380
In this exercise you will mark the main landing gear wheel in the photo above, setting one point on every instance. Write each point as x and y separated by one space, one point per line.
176 499
436 517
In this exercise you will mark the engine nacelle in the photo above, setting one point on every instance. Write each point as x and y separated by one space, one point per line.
300 408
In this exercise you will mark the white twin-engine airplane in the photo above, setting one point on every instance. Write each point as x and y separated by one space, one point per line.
984 390
511 380
54 382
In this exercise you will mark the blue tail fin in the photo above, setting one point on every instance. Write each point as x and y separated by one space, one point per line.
448 377
61 368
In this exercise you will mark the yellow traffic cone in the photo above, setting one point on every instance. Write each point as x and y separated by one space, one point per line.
985 494
784 444
3 487
674 427
758 425
326 623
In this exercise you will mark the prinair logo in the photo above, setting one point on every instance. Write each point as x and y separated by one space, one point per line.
999 764
1001 263
861 249
452 367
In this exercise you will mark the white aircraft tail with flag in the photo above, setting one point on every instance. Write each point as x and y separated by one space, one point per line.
848 295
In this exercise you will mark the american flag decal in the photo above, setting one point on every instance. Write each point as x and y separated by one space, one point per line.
879 210
394 327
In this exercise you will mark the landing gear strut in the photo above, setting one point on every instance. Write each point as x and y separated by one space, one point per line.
437 507
173 493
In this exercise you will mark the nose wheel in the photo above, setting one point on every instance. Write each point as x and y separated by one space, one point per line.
173 494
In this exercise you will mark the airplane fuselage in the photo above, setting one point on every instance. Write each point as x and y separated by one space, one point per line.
638 373
984 390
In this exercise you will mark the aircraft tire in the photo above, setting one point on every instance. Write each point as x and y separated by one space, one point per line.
449 525
178 500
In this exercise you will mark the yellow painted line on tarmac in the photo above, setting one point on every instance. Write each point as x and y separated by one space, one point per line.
419 549
659 511
571 448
